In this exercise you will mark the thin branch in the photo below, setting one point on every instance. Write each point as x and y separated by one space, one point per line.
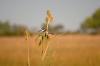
44 54
28 49
28 55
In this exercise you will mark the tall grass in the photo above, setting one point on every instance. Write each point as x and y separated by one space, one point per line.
44 36
70 50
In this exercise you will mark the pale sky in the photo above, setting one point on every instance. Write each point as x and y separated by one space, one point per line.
32 13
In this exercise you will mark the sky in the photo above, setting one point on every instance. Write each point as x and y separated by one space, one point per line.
32 13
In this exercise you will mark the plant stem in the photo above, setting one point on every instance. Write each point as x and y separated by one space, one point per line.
44 54
28 58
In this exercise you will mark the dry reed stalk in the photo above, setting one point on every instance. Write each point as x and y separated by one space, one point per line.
49 19
28 49
45 52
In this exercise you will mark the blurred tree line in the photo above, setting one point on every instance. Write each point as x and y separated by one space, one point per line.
91 24
6 29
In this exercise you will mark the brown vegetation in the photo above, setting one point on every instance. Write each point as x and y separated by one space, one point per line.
68 50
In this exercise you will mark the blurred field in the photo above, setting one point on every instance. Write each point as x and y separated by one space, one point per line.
68 50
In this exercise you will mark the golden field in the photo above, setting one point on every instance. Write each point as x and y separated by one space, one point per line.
67 50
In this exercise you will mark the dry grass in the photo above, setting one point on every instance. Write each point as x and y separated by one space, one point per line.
69 50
